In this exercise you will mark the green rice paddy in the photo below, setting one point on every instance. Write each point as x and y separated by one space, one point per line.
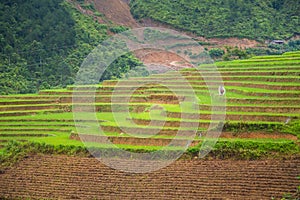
262 95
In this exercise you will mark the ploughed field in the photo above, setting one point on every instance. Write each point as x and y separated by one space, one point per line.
262 103
63 177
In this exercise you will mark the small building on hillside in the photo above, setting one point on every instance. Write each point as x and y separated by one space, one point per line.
280 42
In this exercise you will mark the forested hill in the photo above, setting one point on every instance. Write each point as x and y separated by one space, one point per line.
43 43
254 19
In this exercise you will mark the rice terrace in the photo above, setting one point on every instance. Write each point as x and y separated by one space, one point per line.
256 157
201 100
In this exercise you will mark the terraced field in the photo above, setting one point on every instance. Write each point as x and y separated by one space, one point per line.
262 94
262 101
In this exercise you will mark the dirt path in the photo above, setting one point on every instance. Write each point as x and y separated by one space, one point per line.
63 177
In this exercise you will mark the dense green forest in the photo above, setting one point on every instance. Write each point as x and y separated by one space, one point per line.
255 19
43 43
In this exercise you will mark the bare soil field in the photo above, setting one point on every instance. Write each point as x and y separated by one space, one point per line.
64 177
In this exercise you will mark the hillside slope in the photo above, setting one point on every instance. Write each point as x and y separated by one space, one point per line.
117 11
271 19
45 47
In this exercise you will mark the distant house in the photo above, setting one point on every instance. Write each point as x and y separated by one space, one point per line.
277 42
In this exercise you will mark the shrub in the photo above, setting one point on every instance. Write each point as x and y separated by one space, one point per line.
118 29
216 52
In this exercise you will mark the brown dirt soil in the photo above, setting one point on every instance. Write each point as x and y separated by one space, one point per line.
25 102
214 42
142 131
63 177
26 107
88 12
117 11
241 43
34 98
21 113
260 135
296 37
229 117
33 130
132 140
167 59
176 142
281 102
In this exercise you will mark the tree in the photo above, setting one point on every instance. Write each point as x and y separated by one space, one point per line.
216 52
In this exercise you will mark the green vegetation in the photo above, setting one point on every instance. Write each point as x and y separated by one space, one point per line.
293 128
275 49
45 47
224 149
251 150
271 49
262 120
216 52
271 19
14 151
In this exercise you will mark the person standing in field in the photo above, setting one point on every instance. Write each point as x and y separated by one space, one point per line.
222 90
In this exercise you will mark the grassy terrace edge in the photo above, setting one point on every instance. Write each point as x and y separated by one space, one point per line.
235 149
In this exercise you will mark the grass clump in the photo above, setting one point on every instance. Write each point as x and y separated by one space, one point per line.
250 149
16 151
293 128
